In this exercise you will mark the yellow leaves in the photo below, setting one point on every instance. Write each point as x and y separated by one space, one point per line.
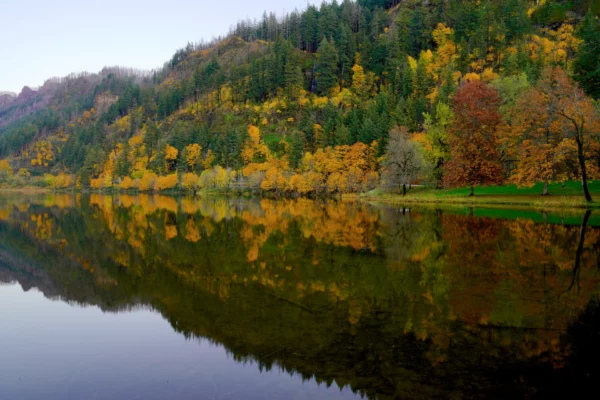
147 181
208 159
488 75
254 148
254 134
127 183
320 102
221 178
61 181
96 183
337 182
192 154
557 46
107 181
413 63
171 153
426 56
190 181
23 172
44 153
471 77
358 79
5 168
136 141
346 98
307 182
87 115
167 182
442 34
274 179
170 232
218 177
192 233
123 124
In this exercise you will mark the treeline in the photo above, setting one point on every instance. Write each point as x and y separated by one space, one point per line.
379 78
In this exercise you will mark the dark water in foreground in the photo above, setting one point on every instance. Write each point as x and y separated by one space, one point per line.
154 297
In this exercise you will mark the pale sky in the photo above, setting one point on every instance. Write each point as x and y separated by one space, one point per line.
40 39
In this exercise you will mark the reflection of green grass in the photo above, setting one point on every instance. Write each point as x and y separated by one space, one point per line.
563 217
569 196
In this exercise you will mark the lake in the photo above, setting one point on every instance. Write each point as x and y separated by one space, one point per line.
153 297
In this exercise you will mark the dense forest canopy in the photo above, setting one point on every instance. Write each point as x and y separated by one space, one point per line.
341 97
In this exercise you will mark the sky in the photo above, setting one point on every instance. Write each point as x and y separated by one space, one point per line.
40 39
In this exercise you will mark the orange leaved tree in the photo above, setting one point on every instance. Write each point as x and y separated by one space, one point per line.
578 114
537 139
475 159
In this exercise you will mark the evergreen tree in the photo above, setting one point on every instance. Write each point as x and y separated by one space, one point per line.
327 67
123 164
587 63
294 80
151 138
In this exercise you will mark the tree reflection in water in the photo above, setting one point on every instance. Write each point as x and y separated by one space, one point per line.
388 301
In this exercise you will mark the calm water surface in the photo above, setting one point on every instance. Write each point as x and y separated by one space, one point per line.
152 297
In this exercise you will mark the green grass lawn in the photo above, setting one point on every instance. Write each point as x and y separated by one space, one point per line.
569 196
571 188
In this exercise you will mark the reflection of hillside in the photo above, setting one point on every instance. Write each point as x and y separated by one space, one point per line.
384 301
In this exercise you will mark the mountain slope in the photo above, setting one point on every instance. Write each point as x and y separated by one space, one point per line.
334 75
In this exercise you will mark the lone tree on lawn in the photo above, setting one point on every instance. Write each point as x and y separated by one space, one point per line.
402 161
475 159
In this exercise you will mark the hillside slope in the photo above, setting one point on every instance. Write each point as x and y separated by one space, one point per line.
324 85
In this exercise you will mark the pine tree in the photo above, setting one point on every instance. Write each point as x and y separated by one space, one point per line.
587 64
294 80
327 67
123 164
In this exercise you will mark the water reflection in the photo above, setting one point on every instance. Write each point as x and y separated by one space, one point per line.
384 301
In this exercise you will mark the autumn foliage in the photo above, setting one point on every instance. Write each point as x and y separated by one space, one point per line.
475 159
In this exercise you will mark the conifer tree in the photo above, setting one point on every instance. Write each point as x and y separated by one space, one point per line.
327 67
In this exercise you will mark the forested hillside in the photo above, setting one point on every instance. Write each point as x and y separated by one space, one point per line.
338 98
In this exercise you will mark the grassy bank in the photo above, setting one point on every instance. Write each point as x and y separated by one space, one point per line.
25 189
568 195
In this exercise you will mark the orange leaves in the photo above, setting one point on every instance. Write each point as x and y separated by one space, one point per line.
473 140
554 127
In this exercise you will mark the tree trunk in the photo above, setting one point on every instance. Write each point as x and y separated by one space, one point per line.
471 191
579 252
545 191
581 158
404 189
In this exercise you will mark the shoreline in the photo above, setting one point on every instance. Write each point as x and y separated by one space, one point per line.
520 201
538 202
